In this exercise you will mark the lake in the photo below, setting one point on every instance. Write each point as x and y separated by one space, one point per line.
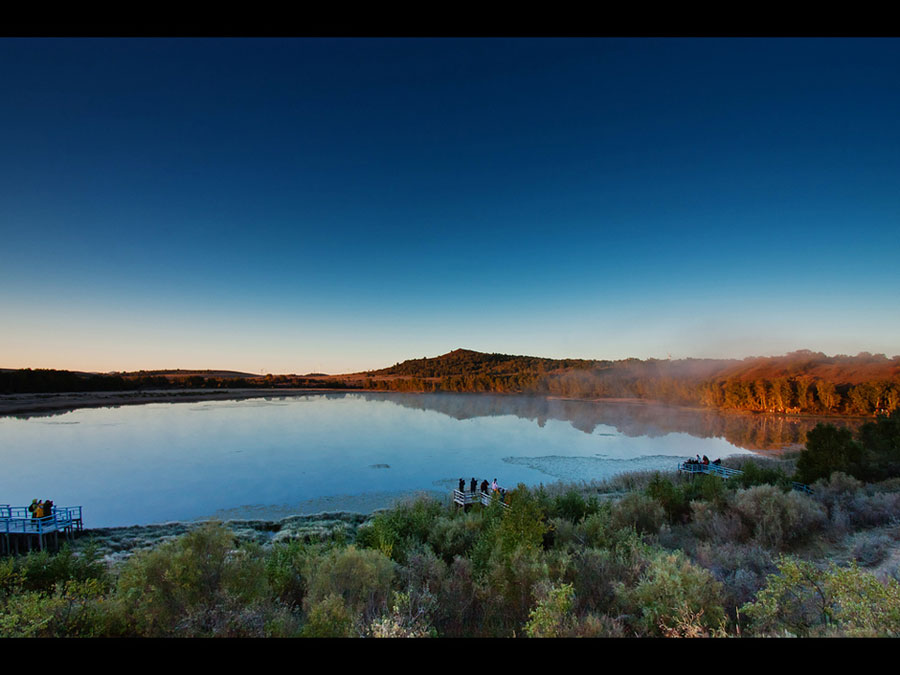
279 456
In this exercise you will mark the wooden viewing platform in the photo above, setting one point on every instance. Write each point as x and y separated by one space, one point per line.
468 498
18 529
725 472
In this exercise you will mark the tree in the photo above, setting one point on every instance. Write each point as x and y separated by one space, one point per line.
829 449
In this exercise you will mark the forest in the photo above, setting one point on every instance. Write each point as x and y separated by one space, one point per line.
800 382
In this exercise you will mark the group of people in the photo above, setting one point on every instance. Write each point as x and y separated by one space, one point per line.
39 509
705 460
485 487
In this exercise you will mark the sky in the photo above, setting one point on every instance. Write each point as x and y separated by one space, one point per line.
333 205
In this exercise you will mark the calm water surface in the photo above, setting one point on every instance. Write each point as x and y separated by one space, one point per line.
269 458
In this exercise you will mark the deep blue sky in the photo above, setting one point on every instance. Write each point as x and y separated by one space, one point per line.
291 205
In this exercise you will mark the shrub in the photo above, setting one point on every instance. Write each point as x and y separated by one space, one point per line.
195 585
672 499
73 609
643 513
552 616
408 619
756 474
328 617
802 599
572 506
402 529
43 571
670 589
508 590
593 575
776 518
459 609
508 532
457 536
361 577
742 569
288 566
851 503
870 550
709 524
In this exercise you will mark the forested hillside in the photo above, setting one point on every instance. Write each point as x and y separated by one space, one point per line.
800 382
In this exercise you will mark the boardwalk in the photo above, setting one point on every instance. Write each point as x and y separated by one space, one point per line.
19 531
725 472
468 498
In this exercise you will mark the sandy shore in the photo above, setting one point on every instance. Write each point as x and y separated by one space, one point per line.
28 404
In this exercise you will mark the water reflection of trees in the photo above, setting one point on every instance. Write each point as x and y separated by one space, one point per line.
745 430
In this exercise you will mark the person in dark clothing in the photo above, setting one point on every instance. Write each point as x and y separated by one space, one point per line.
705 459
462 485
484 486
472 485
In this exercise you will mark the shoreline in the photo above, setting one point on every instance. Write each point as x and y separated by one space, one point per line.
12 405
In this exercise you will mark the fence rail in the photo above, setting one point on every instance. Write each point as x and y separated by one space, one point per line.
466 498
725 472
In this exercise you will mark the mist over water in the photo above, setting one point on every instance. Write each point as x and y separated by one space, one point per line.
274 457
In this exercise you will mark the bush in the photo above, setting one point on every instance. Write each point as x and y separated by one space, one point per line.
756 474
851 503
671 589
508 590
401 530
572 506
459 610
328 617
456 536
802 599
742 569
552 616
73 609
288 567
43 571
636 510
198 584
673 500
709 524
869 550
594 574
776 518
360 577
